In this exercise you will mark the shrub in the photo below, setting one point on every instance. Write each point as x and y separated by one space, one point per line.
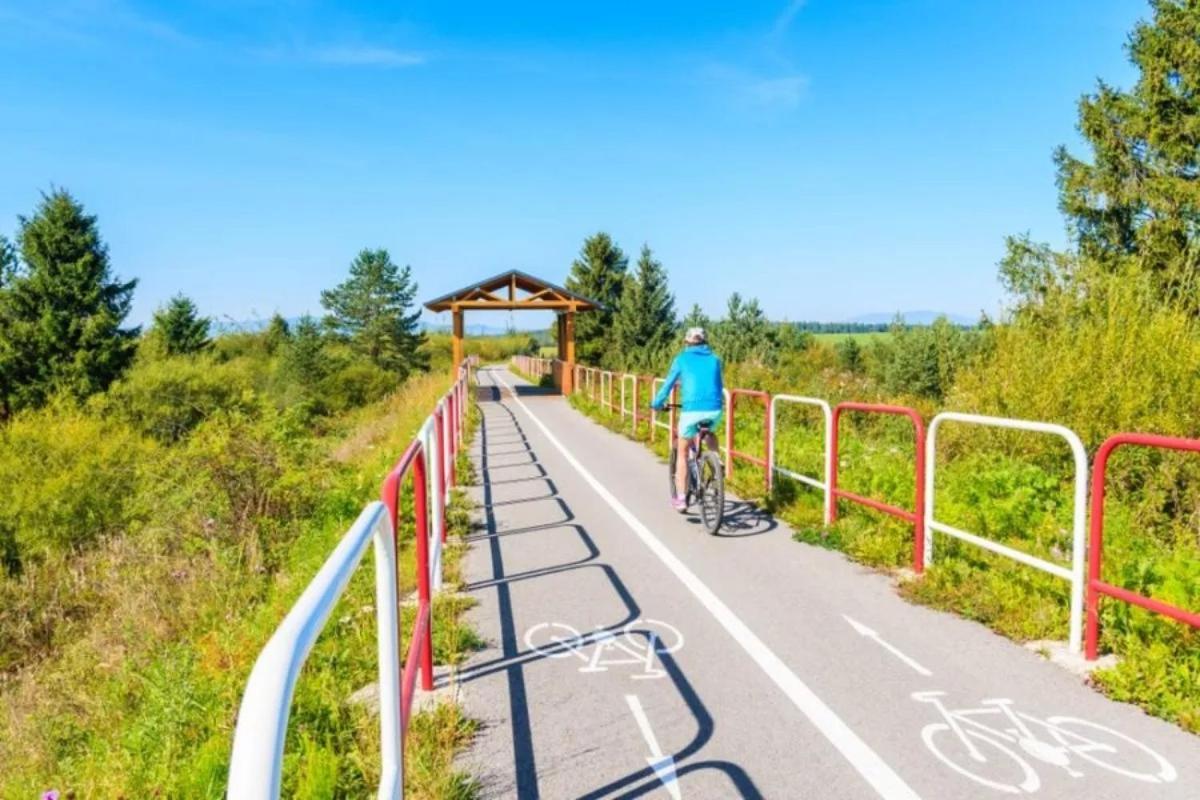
67 479
166 399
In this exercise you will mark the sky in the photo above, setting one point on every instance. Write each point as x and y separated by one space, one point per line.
832 157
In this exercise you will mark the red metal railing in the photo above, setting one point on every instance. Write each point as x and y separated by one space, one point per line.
1096 585
449 418
420 644
730 452
916 516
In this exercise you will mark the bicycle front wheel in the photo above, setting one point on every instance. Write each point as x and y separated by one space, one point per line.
711 491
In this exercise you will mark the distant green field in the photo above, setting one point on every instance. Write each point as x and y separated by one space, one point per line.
861 338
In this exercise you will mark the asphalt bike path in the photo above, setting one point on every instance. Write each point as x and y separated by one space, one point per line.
632 654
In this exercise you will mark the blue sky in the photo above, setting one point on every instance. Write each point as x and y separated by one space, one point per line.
830 157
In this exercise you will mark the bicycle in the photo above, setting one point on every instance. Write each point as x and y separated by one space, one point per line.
995 755
706 475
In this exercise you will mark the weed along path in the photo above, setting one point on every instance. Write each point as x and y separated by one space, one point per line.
631 654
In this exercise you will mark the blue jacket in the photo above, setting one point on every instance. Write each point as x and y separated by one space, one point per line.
698 370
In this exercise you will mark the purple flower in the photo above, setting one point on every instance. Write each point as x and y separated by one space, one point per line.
50 795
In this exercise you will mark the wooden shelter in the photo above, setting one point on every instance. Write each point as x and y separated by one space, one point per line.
519 291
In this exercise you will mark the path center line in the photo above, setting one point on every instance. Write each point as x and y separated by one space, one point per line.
866 761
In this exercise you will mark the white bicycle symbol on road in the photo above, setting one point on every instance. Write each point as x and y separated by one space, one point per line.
637 643
988 754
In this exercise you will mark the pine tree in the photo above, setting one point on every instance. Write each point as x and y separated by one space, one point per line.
179 329
8 272
644 325
61 309
372 309
696 318
599 274
278 333
1136 203
305 361
744 334
849 354
8 262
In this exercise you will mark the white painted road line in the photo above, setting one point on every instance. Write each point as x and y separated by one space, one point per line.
863 630
866 761
663 766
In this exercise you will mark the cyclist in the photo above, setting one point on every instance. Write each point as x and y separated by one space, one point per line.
698 371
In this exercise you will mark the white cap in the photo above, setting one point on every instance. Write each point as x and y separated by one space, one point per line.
695 336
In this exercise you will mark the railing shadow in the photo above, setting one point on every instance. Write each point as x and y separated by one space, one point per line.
513 658
528 390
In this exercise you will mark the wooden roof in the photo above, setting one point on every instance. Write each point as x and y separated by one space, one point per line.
513 290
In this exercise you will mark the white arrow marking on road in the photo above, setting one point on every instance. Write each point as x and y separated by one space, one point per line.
886 782
663 766
863 630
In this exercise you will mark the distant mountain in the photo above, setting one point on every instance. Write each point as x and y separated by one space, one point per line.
911 318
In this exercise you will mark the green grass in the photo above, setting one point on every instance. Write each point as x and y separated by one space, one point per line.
135 691
1011 488
869 337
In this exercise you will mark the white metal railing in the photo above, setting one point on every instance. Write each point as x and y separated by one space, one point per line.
438 495
773 468
655 422
631 379
1075 573
606 398
257 760
256 768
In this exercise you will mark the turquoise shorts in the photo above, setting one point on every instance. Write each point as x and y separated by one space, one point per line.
689 421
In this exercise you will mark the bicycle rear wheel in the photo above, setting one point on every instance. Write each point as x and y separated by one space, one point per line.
711 491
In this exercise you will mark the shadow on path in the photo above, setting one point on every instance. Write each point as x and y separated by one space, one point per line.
499 422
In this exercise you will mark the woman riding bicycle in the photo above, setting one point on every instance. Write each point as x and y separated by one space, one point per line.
698 370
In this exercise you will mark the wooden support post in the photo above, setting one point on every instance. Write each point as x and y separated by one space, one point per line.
569 351
457 349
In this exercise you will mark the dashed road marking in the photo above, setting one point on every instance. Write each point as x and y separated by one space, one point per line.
882 778
663 766
869 633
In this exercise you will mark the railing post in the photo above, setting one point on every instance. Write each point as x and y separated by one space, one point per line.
729 437
636 382
439 422
834 462
453 438
424 597
1096 553
919 500
767 441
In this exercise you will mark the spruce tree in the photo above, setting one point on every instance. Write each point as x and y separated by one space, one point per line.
1136 202
372 309
179 329
644 325
61 309
305 361
696 318
278 333
745 333
599 274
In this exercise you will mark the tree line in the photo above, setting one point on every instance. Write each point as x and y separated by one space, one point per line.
638 326
63 315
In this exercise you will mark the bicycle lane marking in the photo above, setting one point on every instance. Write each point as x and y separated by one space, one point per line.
881 777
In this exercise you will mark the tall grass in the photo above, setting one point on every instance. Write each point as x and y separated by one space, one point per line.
125 646
1115 360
